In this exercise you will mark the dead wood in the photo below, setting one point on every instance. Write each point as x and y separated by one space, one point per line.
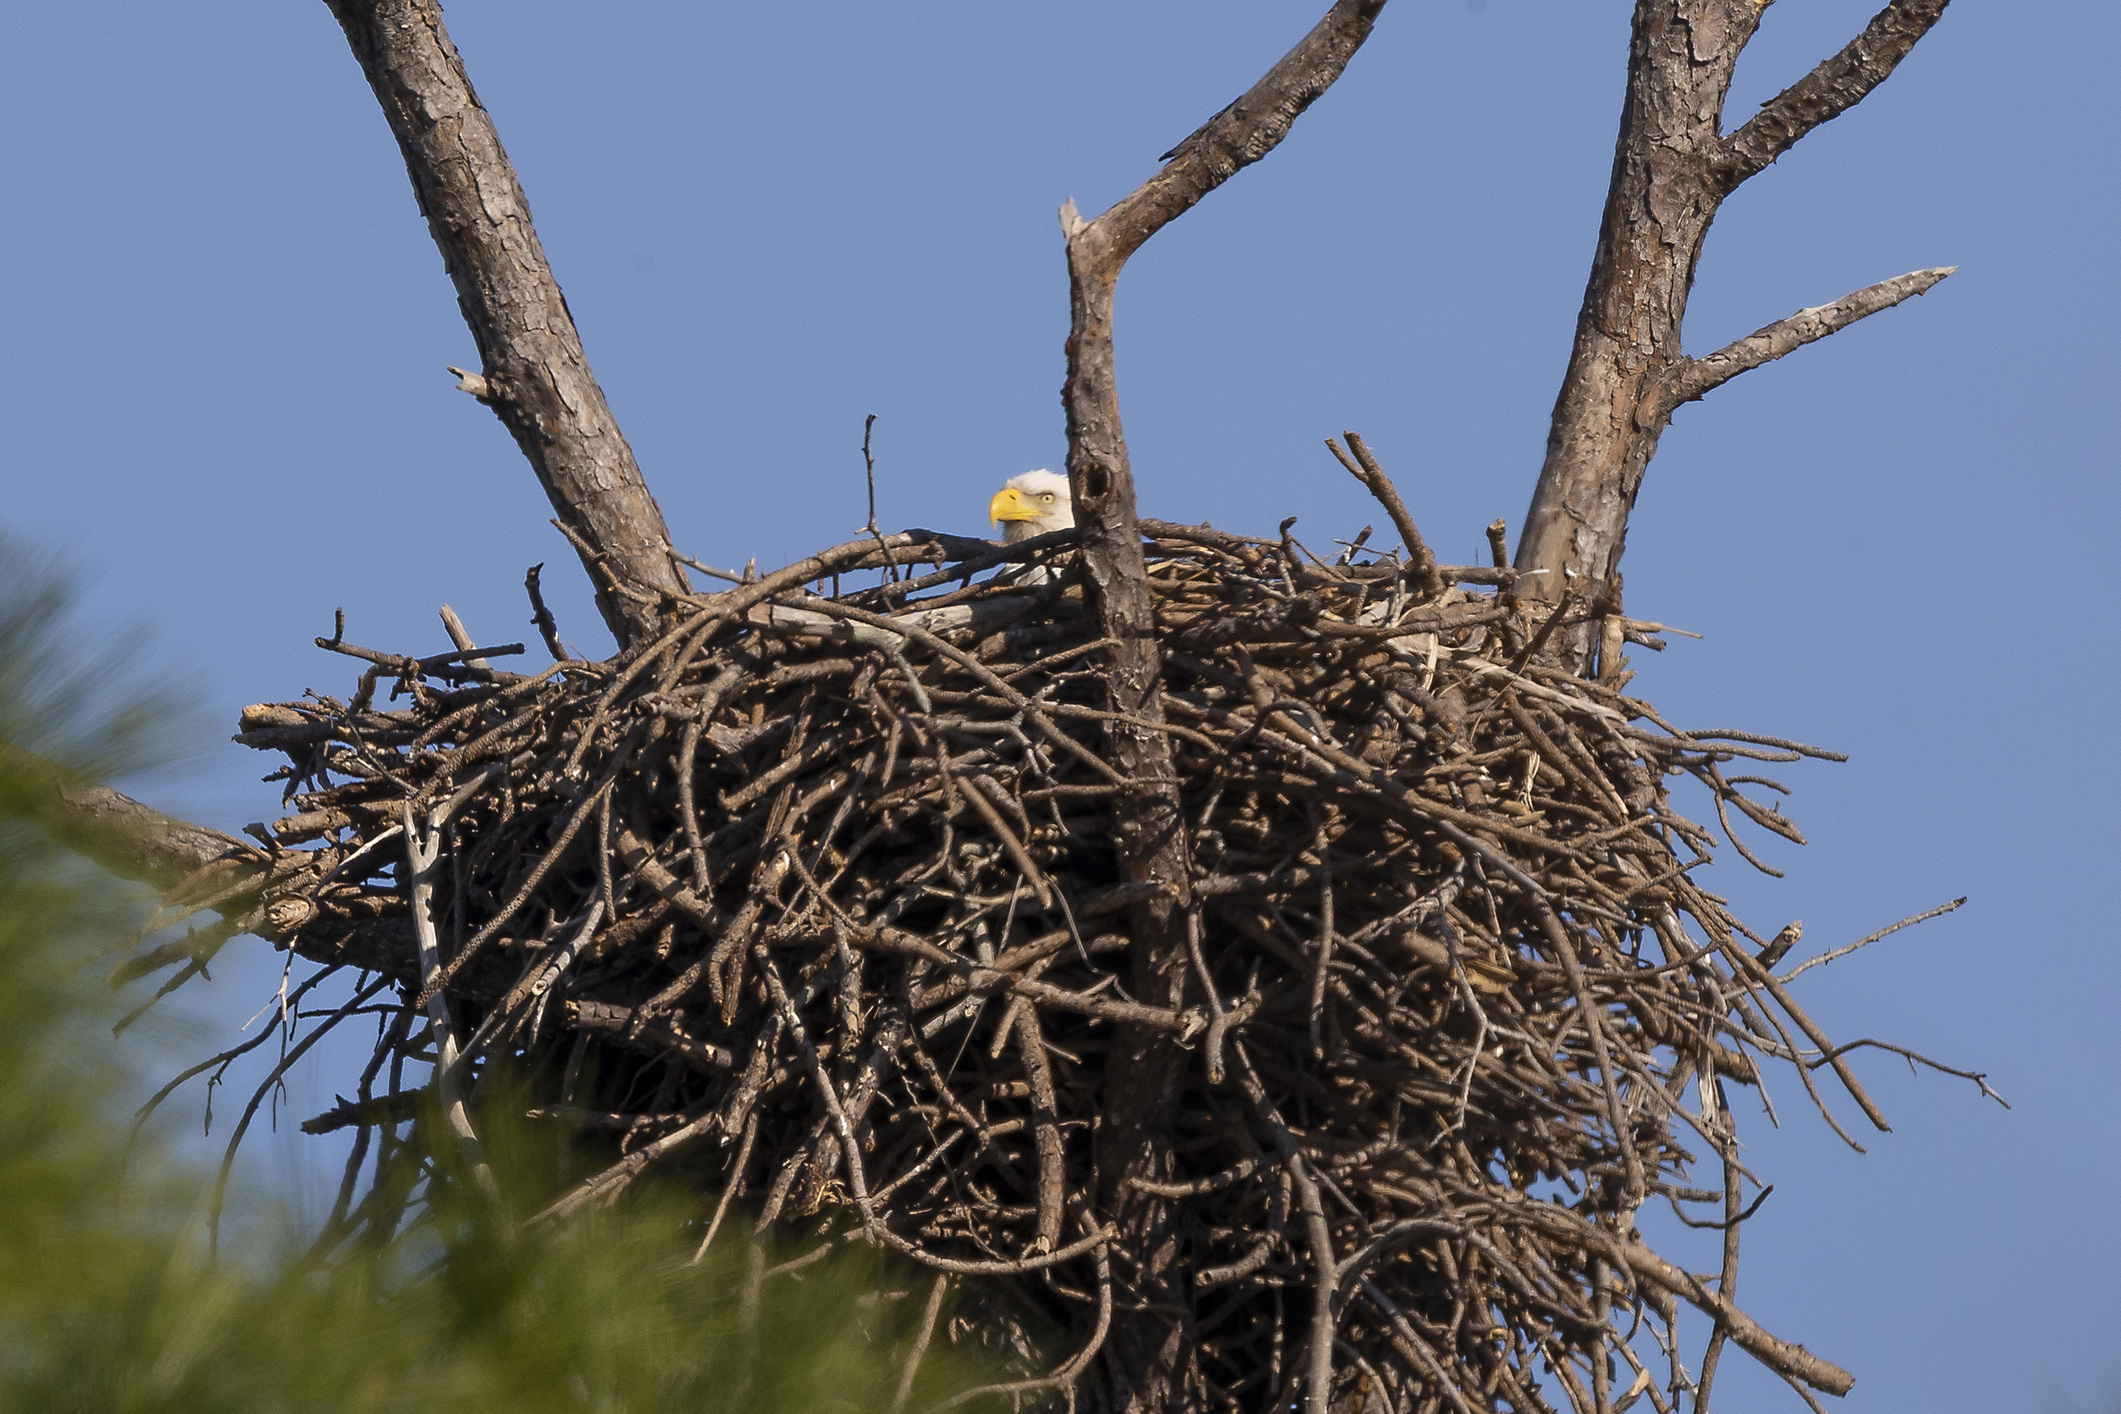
1155 1353
1250 981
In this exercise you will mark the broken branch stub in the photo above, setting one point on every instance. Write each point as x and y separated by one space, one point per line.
535 375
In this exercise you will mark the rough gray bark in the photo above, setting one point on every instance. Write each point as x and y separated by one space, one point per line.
1152 1355
535 376
1672 168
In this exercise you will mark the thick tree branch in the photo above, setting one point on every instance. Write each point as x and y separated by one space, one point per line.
1828 91
1151 840
1657 214
1155 1354
1101 476
1684 382
1240 135
535 375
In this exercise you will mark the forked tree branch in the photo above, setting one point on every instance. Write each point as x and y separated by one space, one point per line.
1151 842
1691 378
1099 471
535 375
1155 1355
1672 169
1421 561
1830 90
1233 139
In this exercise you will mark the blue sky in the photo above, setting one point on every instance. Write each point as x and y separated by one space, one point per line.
225 405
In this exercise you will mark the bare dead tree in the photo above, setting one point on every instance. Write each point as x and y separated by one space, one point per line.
1673 167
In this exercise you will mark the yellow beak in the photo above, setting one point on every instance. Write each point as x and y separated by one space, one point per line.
1009 504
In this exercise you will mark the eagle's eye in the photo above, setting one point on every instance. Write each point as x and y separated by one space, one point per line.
1045 495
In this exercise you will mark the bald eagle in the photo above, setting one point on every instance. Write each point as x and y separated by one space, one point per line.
1032 504
1027 505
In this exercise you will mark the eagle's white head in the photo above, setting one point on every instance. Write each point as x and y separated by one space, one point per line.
1032 504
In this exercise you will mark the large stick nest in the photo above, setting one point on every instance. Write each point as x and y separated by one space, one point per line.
813 903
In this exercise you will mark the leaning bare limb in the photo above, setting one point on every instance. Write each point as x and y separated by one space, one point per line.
535 375
1235 138
1692 378
1672 170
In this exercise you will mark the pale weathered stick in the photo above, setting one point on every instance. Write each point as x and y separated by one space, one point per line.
461 636
423 850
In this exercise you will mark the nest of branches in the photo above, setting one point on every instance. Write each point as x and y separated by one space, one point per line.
813 902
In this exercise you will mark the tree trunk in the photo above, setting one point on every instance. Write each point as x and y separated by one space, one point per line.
1153 1354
